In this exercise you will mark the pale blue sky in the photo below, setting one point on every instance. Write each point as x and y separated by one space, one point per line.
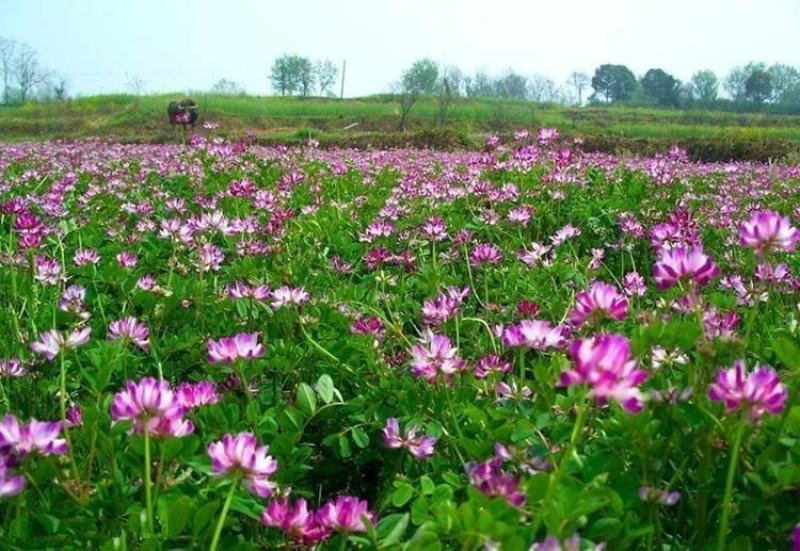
175 45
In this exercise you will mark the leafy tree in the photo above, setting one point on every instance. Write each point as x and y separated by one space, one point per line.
613 82
705 86
758 86
225 87
580 82
542 89
418 80
511 86
292 73
737 78
661 87
480 86
304 70
325 74
785 82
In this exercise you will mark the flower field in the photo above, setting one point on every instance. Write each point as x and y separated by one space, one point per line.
226 346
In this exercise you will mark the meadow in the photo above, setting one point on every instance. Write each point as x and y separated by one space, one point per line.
525 345
373 121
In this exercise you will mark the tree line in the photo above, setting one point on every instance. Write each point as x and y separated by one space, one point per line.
23 78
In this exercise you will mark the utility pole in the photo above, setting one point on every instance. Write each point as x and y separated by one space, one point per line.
344 68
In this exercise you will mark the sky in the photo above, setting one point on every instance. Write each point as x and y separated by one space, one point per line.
182 45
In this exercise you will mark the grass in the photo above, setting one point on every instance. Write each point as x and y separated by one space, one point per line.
143 118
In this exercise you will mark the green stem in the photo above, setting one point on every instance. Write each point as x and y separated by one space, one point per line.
148 498
64 424
223 514
726 500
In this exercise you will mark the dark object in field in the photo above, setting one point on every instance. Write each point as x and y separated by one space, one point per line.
183 112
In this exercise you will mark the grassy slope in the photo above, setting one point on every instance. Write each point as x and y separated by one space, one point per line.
132 118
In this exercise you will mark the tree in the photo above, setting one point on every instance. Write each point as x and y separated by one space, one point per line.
580 82
7 53
758 86
417 80
736 79
27 72
447 89
704 86
325 74
225 87
480 86
785 82
511 86
613 82
542 89
134 84
661 87
304 70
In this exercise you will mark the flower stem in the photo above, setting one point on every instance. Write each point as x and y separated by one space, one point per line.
148 499
223 514
64 425
726 500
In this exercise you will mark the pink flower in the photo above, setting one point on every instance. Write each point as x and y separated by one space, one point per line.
296 520
485 253
229 349
604 362
10 484
512 392
768 231
490 478
633 285
367 326
242 454
238 289
130 329
600 300
683 264
209 258
661 497
35 437
757 392
420 447
491 364
434 229
443 307
51 343
535 334
192 396
12 368
48 271
434 354
127 259
345 514
153 407
85 256
287 296
75 416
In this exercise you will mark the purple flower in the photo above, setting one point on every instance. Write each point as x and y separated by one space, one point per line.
757 392
288 296
10 483
35 437
51 343
153 407
242 454
75 416
604 363
296 520
600 300
443 307
492 480
48 271
683 264
491 364
768 231
229 349
485 253
127 259
12 368
85 256
633 285
434 354
662 497
192 396
535 334
345 514
367 326
130 329
420 447
796 538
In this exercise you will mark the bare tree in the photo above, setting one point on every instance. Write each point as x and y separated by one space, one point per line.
7 50
542 89
27 72
448 88
134 84
325 73
580 82
225 87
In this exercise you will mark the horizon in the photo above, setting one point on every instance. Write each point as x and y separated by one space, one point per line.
99 48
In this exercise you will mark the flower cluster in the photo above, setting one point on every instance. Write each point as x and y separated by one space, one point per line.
420 447
241 455
153 407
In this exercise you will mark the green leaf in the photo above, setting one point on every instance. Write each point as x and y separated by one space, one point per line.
402 494
427 485
360 437
175 515
325 388
203 516
392 527
306 399
344 446
787 351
